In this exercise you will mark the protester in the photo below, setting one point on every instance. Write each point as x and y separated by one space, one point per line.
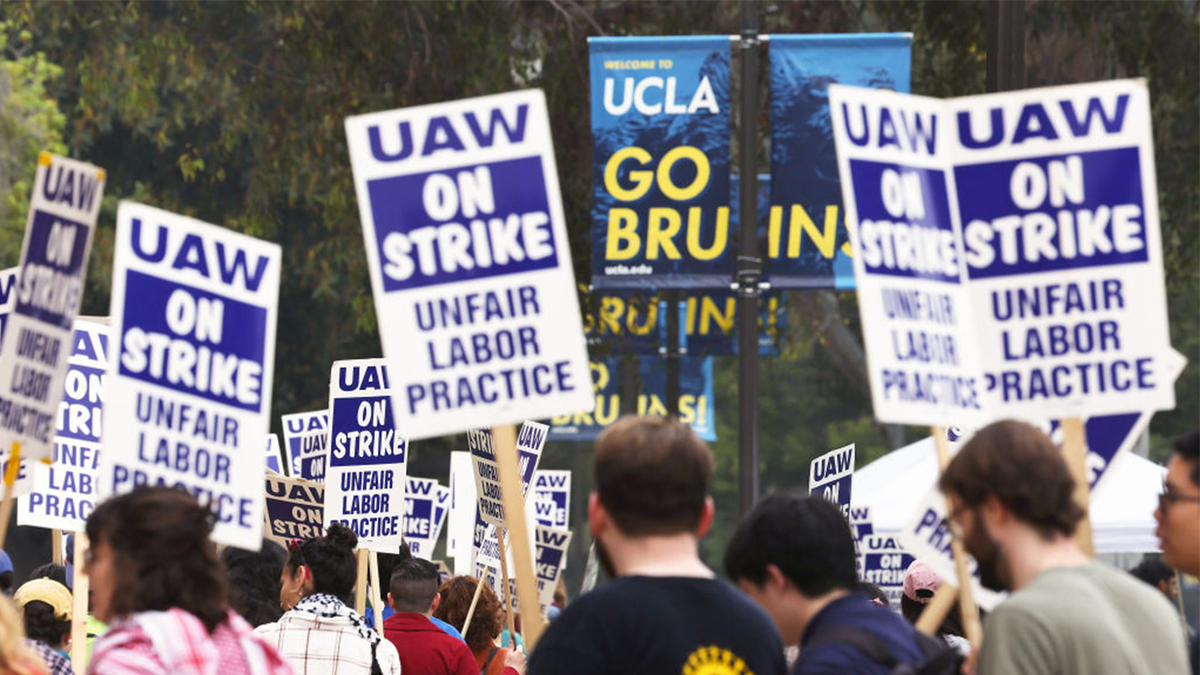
650 509
1159 575
423 647
319 633
455 601
920 584
1178 516
1010 492
51 571
157 582
794 555
874 593
254 581
16 658
46 613
388 563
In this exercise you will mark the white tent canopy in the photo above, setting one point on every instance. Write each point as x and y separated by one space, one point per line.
1122 508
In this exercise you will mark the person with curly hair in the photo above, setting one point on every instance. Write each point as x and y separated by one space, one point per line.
254 581
46 610
456 596
158 584
319 633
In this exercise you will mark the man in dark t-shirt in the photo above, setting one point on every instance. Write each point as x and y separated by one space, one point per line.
664 613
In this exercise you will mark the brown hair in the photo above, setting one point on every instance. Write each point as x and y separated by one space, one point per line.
163 556
652 475
1019 465
457 594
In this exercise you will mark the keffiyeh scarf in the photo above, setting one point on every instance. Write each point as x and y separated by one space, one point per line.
331 607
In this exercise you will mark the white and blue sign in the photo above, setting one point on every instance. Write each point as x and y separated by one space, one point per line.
831 476
1041 206
883 562
367 459
8 296
38 332
274 455
550 546
306 437
552 498
531 439
294 509
64 493
470 264
464 508
426 505
194 308
860 520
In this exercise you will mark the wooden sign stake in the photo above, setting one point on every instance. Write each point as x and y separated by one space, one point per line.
79 608
1075 453
360 582
10 478
377 591
56 554
474 602
504 440
935 612
507 588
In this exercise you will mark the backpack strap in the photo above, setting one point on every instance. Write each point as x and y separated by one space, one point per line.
488 662
864 641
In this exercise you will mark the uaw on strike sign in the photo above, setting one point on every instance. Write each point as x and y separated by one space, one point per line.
190 368
470 263
1009 260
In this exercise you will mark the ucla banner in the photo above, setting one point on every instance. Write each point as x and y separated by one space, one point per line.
636 323
660 172
695 398
806 244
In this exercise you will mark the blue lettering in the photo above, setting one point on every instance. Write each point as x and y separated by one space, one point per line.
1111 125
1034 123
230 269
406 144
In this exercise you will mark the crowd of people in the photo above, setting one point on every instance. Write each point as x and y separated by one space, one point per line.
163 599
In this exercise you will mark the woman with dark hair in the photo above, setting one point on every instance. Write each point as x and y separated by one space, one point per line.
254 581
46 610
157 582
486 623
319 633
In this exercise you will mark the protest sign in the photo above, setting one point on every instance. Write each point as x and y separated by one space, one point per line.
695 398
8 296
552 498
530 442
1042 206
883 562
806 241
39 329
294 509
425 509
463 509
307 437
470 263
660 162
861 523
551 557
831 476
64 493
275 462
367 459
190 375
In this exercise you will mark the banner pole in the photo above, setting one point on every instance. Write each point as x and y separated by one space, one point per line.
749 271
56 555
966 597
471 611
10 478
79 608
360 582
504 440
672 353
1075 453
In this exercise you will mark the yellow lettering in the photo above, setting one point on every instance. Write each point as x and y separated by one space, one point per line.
719 239
703 170
611 310
605 418
773 231
651 318
642 180
623 241
710 312
658 237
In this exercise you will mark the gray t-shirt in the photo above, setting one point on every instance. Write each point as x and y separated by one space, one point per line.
1087 620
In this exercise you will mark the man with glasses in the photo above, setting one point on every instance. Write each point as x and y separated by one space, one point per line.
1011 496
1178 516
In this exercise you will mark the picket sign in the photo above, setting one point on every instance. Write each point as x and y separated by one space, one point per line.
293 509
463 509
831 476
79 606
504 439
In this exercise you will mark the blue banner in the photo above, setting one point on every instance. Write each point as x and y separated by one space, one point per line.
636 323
695 399
660 173
805 243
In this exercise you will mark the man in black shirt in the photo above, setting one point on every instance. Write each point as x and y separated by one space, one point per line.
664 613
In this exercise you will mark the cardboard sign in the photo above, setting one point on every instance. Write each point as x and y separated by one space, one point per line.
190 374
39 329
1039 209
294 509
530 441
274 455
551 501
831 476
883 562
306 435
367 460
8 296
64 493
426 505
551 546
928 538
861 523
470 264
463 509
